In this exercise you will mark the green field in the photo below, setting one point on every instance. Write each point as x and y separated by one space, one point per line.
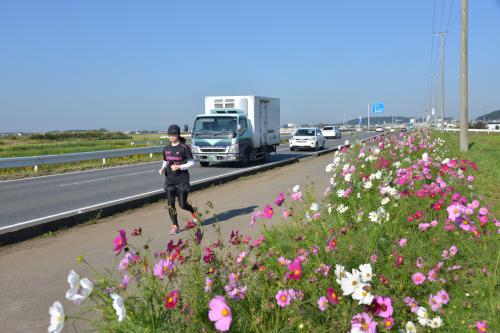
485 151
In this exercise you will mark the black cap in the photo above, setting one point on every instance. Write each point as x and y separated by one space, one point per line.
174 129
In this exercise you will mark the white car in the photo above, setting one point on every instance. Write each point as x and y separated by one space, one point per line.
331 132
379 129
311 138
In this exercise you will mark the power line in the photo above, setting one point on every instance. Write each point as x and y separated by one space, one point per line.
441 22
449 16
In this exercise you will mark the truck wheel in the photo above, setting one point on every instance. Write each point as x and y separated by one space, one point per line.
245 160
316 147
266 155
292 149
204 164
323 146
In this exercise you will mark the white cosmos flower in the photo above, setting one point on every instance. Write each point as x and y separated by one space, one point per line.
435 322
329 168
119 306
296 188
79 289
423 316
340 193
425 157
385 201
347 177
367 185
378 174
339 272
350 283
366 272
445 161
397 164
363 296
342 209
314 207
346 142
410 327
56 312
373 216
329 208
358 195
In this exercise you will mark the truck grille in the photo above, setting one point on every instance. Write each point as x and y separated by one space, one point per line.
213 150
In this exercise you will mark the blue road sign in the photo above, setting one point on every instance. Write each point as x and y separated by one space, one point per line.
377 107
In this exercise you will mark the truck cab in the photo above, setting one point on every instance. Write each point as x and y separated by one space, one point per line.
236 128
220 137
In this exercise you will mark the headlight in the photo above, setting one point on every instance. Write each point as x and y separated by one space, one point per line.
234 149
195 149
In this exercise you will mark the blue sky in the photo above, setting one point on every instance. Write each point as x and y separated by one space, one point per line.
143 65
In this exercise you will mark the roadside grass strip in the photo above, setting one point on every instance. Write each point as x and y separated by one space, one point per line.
400 240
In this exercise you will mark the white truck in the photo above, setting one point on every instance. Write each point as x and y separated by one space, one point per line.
236 128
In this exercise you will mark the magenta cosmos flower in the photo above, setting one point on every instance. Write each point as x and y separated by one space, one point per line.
322 303
294 270
268 212
220 313
384 308
280 199
362 322
481 326
120 242
418 278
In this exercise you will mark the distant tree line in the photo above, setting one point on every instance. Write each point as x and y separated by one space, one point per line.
101 134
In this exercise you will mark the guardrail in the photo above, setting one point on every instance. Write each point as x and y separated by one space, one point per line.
473 130
35 161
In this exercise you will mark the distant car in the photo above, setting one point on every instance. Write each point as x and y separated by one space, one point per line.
379 129
331 132
403 129
311 138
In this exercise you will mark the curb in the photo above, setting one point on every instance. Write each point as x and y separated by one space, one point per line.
21 233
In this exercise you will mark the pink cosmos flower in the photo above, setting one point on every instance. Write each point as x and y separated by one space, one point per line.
280 199
283 298
424 226
286 214
258 241
124 282
465 225
268 212
241 257
363 323
454 211
255 216
431 275
283 261
435 303
120 242
220 313
296 196
418 278
470 179
162 267
474 204
412 303
420 262
208 284
373 258
384 308
316 216
483 211
322 303
402 242
443 296
453 250
481 326
171 299
434 223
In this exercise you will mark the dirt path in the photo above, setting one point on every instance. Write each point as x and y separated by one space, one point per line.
33 273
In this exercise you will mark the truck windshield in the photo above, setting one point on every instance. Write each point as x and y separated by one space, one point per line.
212 125
305 132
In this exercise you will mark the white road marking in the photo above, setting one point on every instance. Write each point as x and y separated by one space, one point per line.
82 171
105 178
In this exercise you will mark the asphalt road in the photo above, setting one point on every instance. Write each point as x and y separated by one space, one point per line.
34 273
32 199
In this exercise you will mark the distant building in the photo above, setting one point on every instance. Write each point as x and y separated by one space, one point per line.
493 125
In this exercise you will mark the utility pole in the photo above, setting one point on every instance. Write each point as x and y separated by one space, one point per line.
435 100
464 85
368 116
442 35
